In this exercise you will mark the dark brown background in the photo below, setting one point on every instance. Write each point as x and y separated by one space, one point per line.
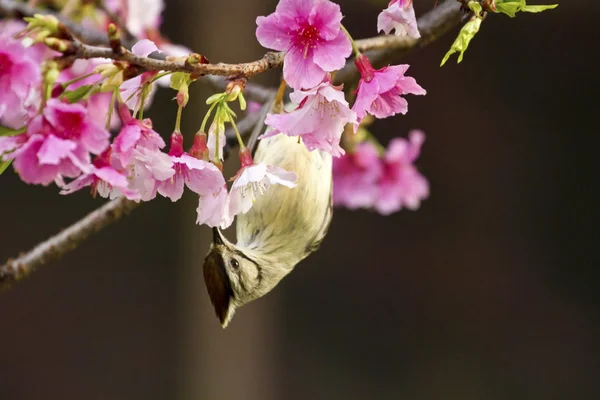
490 291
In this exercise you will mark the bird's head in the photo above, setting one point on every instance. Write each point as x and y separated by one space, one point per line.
235 276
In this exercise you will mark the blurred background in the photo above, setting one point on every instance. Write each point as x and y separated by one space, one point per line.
490 291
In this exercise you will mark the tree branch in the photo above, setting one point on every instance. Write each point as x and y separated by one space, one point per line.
65 241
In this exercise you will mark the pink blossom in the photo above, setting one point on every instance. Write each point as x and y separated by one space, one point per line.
400 15
253 180
380 91
44 158
213 209
57 143
199 176
72 122
402 185
388 183
320 118
104 180
356 176
20 76
310 33
137 149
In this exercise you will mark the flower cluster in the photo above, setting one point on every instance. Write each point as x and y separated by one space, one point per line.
385 183
316 44
57 112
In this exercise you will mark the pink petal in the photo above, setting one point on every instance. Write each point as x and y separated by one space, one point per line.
272 32
280 176
144 48
212 209
172 187
301 72
331 55
326 16
54 150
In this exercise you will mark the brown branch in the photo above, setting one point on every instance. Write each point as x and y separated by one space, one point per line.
65 241
268 61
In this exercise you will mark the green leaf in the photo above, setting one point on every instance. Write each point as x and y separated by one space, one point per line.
4 131
537 9
466 34
217 97
509 7
73 96
512 7
4 165
180 78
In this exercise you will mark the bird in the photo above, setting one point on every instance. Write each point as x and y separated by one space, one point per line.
282 228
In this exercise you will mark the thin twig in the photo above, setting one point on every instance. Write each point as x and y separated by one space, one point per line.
268 61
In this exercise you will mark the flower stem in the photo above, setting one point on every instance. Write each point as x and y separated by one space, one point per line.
111 108
79 78
354 46
142 103
237 133
178 119
208 113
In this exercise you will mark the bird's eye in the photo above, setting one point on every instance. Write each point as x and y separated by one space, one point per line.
234 263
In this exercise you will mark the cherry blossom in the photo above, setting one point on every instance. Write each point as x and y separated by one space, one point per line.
386 183
400 15
104 180
253 180
20 75
380 91
402 185
355 177
137 150
310 33
199 176
320 118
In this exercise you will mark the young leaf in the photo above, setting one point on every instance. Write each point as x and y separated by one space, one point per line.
466 34
4 131
537 9
179 78
512 7
4 165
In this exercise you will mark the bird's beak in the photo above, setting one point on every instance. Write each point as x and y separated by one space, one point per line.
217 237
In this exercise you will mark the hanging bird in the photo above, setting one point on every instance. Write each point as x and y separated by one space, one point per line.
281 229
